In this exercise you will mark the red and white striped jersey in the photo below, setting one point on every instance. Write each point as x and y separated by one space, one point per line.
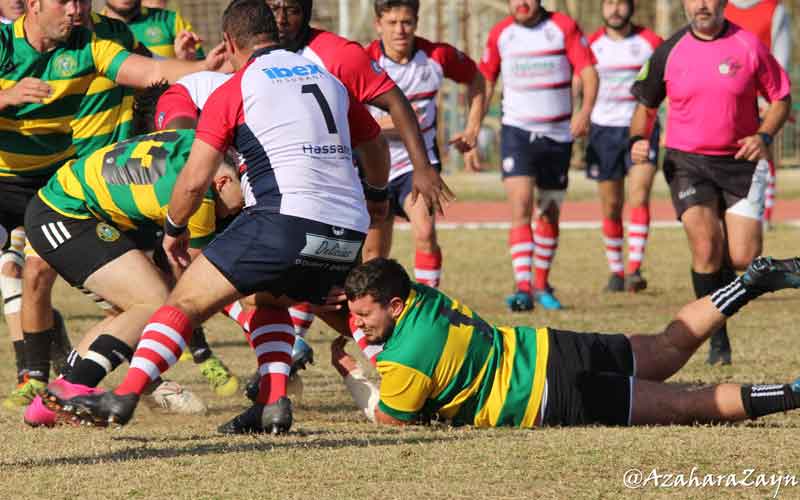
537 64
293 123
618 63
420 80
187 96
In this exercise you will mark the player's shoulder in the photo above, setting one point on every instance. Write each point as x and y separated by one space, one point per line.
746 36
107 27
374 49
435 50
650 36
662 51
322 39
500 27
596 36
155 14
565 23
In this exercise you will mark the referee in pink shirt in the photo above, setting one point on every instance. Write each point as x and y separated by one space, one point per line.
712 72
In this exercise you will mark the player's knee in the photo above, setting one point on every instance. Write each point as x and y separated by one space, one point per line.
741 257
612 209
549 204
38 276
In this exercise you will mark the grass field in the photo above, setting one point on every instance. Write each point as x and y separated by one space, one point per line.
331 453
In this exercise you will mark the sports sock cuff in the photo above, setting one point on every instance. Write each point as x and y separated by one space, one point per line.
729 299
37 353
761 400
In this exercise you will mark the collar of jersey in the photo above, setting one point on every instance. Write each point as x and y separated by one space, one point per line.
719 35
266 50
410 58
412 295
545 16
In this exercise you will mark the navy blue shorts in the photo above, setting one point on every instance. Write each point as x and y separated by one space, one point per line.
399 188
261 251
542 158
607 155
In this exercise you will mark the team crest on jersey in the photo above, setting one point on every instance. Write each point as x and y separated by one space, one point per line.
376 67
107 232
65 65
154 34
729 67
508 164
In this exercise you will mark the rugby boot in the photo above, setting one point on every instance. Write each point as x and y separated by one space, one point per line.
24 393
252 387
616 283
43 411
719 349
767 274
101 410
519 301
547 299
635 282
219 377
302 355
275 418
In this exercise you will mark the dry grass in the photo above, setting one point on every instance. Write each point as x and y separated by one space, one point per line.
331 453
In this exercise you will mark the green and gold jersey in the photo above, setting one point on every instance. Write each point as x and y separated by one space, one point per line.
444 360
36 139
129 184
157 30
106 112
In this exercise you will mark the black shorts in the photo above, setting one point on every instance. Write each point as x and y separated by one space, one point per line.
76 248
542 158
588 379
15 194
399 189
607 156
261 251
719 180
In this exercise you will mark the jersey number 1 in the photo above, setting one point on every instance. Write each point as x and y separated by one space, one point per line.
314 90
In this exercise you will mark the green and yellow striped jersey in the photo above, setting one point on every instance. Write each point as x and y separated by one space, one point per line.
443 360
106 112
157 29
36 139
129 184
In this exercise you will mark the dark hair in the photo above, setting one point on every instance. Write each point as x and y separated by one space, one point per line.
248 22
382 279
382 6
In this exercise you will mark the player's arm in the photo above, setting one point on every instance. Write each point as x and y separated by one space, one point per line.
642 123
373 151
590 82
476 95
141 72
650 90
27 90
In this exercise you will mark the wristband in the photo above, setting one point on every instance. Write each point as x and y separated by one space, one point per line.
372 193
767 138
171 229
633 140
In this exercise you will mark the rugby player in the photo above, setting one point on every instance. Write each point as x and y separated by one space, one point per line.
302 229
621 49
443 361
94 223
537 52
11 10
715 140
49 64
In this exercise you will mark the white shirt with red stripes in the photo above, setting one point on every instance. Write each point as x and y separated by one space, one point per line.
618 63
537 64
188 96
420 80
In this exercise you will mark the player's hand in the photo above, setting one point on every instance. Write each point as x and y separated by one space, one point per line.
186 45
215 57
640 152
464 142
579 125
343 362
752 149
378 211
334 301
177 250
472 161
27 90
428 183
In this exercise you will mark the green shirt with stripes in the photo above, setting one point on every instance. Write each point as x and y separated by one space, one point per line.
157 30
442 360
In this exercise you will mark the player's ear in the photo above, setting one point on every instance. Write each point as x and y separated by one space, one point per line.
396 306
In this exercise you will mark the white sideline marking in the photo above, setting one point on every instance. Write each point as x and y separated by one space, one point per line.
405 226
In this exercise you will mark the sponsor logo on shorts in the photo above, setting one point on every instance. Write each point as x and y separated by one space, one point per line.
594 170
107 232
324 247
280 73
508 164
687 193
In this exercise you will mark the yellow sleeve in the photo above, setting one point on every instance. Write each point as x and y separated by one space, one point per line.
203 224
108 56
404 390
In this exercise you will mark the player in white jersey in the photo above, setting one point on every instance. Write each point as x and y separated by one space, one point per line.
305 218
537 52
621 48
418 67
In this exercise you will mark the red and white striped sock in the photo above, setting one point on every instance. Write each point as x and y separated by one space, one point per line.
302 317
769 195
428 267
638 230
545 238
163 340
613 237
242 315
370 351
520 242
272 337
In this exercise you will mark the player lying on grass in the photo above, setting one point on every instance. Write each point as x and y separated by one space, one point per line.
442 361
95 222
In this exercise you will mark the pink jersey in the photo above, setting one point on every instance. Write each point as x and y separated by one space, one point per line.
712 86
537 64
618 63
420 80
293 123
347 61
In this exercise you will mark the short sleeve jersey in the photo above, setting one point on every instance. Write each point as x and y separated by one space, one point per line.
294 125
37 137
157 30
129 184
187 96
618 63
537 64
712 86
420 80
443 360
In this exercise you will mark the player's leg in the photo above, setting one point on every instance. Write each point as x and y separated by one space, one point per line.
640 184
38 317
743 220
427 252
771 192
11 263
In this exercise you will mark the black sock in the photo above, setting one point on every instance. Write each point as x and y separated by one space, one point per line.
760 400
729 299
37 354
19 356
105 354
198 345
73 358
706 284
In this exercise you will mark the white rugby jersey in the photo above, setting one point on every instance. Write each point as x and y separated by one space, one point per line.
188 96
618 63
288 118
537 64
420 80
